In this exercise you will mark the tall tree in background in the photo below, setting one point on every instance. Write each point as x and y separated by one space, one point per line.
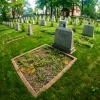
27 10
89 8
16 7
4 9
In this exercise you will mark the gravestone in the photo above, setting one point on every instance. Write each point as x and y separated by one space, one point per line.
17 26
66 19
62 23
30 29
88 30
32 21
75 22
43 22
69 18
60 18
26 21
43 17
93 23
22 20
53 18
64 40
40 18
11 25
86 22
48 19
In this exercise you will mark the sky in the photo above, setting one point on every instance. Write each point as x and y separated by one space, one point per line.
32 2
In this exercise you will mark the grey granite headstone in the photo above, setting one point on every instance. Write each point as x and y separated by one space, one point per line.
17 26
64 40
43 22
62 23
88 30
30 29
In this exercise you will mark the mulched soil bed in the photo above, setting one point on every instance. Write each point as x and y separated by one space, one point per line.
39 66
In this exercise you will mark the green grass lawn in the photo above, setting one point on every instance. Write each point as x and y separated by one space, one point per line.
80 82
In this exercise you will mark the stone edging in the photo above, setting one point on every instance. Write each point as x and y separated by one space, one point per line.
15 39
35 94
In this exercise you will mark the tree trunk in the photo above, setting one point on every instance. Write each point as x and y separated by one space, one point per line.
82 8
13 12
63 9
51 9
73 10
57 12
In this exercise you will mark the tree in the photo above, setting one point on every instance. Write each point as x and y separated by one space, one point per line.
89 8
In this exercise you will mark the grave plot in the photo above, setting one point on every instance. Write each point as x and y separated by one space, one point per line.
84 40
41 67
14 39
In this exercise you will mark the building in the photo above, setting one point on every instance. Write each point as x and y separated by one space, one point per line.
68 12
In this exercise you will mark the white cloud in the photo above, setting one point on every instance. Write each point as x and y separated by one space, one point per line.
32 3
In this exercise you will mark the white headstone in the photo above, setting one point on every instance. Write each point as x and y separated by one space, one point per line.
17 26
11 24
22 20
53 18
69 18
30 32
26 21
32 21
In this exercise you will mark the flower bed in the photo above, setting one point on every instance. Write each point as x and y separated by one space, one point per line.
41 67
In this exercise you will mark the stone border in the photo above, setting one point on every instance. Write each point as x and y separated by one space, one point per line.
35 94
14 39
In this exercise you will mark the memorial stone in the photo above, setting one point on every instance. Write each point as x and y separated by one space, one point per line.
88 30
64 40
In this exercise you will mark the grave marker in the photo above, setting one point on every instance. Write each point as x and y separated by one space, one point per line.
64 40
30 29
17 26
62 23
88 30
43 22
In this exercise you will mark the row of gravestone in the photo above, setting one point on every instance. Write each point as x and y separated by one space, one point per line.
17 27
43 21
64 39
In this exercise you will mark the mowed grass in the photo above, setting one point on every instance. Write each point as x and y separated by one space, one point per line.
80 82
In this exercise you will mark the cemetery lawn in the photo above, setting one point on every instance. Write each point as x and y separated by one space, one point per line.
80 82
